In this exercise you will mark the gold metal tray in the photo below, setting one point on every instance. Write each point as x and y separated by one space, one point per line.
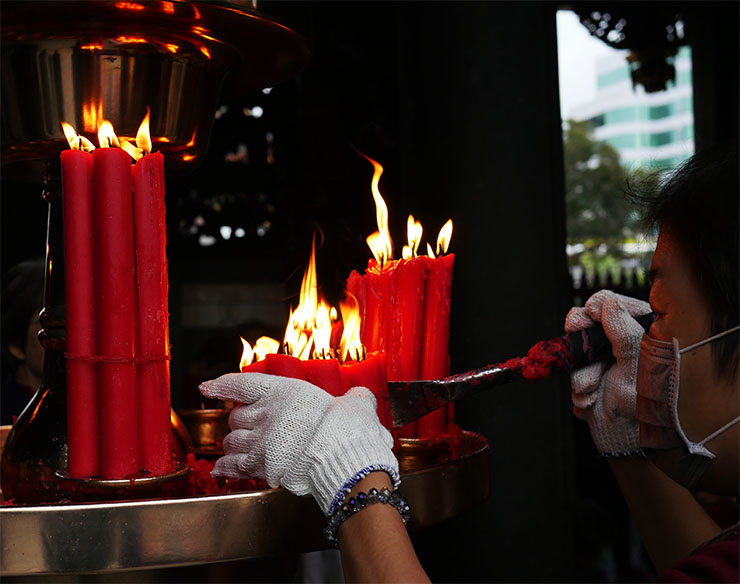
99 537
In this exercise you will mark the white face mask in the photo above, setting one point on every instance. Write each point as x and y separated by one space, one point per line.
661 435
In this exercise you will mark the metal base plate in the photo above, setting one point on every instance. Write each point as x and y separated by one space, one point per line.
98 537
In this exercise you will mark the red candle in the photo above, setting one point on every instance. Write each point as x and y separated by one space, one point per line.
256 367
153 347
325 374
404 325
370 373
435 359
405 319
115 312
284 365
82 397
378 290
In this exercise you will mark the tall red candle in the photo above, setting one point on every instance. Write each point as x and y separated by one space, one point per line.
82 398
405 319
435 359
404 325
115 312
152 334
378 290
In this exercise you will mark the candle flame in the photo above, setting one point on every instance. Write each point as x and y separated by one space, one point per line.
414 232
430 251
264 346
443 239
107 136
247 354
350 345
380 242
143 137
308 334
75 141
309 329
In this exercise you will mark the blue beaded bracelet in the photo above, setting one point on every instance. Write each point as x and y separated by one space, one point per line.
361 500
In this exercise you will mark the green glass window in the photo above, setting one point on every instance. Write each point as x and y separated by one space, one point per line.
624 141
661 138
660 111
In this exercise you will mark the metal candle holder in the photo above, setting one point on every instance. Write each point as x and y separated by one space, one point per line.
82 62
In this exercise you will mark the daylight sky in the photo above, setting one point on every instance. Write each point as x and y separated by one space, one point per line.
577 54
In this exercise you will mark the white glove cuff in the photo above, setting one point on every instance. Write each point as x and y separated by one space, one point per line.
330 482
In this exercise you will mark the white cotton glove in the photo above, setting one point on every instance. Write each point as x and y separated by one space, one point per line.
294 434
603 395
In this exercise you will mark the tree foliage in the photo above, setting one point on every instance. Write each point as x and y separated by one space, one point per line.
596 207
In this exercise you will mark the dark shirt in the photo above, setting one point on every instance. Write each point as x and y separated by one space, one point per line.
717 561
13 398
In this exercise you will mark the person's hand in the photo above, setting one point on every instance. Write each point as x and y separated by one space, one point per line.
604 394
294 434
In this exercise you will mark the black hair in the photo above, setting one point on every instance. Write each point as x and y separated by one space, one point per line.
698 205
21 300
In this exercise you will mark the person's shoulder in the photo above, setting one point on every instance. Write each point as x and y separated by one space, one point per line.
716 561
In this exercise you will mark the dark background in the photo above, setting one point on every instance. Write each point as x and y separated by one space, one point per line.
459 102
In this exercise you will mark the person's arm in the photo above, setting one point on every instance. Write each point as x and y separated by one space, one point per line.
295 435
670 520
374 543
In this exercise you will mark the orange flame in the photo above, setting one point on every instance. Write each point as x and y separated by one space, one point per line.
443 239
143 140
380 242
308 332
414 232
350 345
247 354
107 136
75 141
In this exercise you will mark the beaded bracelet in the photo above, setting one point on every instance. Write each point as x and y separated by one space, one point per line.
359 502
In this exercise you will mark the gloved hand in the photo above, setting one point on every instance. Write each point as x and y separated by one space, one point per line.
605 394
294 434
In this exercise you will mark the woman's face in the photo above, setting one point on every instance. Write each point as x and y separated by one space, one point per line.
706 401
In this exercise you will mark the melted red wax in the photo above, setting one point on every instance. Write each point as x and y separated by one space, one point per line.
202 483
544 358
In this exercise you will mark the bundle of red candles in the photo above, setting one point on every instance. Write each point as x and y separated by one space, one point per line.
117 323
405 309
395 326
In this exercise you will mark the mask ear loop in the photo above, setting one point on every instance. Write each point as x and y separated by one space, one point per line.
716 433
709 340
699 447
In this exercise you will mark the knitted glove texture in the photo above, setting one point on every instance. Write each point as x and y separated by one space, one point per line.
604 394
295 435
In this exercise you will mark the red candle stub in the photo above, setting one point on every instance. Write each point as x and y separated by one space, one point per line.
153 367
79 285
115 312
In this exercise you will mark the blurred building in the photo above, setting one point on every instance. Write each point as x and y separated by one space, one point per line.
650 130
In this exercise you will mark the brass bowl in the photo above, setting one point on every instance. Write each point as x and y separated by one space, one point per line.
417 453
207 429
